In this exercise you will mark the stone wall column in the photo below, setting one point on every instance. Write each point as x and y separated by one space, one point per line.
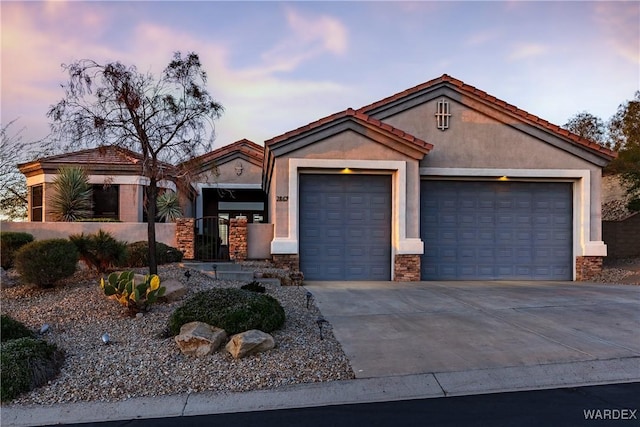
238 238
406 268
186 237
587 267
289 261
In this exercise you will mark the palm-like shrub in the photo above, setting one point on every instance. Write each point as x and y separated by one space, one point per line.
168 206
73 199
100 250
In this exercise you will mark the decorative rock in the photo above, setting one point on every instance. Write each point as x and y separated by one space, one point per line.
199 339
175 290
249 342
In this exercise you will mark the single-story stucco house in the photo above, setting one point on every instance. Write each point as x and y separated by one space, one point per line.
439 182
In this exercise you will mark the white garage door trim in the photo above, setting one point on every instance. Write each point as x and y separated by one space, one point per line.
345 226
581 178
398 170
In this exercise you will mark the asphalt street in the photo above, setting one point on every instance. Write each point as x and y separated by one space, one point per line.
617 404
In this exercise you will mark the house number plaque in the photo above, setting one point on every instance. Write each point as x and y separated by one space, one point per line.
282 198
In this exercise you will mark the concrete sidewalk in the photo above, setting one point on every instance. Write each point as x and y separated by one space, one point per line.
421 340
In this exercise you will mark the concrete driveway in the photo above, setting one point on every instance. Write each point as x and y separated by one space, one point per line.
497 328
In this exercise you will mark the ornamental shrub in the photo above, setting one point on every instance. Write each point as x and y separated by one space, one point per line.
234 310
138 254
10 242
254 287
100 250
44 262
27 363
12 329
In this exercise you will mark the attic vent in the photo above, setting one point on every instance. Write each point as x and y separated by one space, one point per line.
443 114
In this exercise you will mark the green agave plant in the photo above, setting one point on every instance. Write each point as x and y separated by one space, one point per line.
168 206
73 199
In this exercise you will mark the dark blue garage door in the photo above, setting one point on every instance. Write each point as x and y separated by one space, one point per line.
345 227
496 230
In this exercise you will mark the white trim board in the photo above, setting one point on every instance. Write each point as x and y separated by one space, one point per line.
93 179
396 168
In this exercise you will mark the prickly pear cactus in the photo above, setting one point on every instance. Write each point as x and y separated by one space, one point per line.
135 297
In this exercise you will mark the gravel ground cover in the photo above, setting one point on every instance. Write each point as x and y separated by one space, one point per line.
142 361
622 271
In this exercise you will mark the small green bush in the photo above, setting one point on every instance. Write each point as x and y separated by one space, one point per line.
254 287
138 255
234 310
12 329
44 262
10 242
27 363
100 250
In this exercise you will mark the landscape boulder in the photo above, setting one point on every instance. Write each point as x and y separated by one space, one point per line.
199 339
175 290
249 342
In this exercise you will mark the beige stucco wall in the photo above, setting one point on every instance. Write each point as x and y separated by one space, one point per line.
48 191
351 146
259 236
125 231
227 174
475 140
130 203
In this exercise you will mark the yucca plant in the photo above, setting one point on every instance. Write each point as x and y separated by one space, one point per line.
168 206
73 199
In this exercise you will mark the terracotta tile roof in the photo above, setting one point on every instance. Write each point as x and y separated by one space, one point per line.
482 95
103 159
252 150
108 154
244 146
358 115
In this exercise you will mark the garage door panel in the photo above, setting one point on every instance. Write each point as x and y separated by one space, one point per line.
352 227
508 230
505 270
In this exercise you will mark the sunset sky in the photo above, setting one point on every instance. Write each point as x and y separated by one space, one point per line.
276 66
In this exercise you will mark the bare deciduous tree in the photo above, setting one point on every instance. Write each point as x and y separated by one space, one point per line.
13 184
164 119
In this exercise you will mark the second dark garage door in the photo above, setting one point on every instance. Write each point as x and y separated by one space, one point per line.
345 227
496 230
